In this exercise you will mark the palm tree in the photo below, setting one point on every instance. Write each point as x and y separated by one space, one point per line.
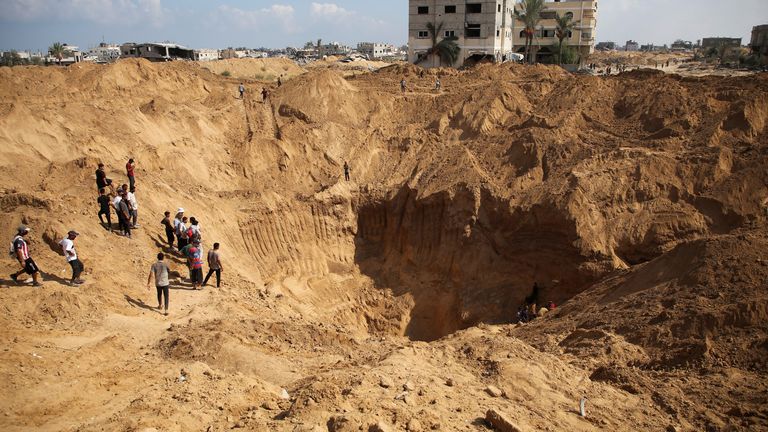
529 12
564 29
447 50
57 50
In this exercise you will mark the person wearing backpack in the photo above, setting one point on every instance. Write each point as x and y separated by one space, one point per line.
193 233
20 251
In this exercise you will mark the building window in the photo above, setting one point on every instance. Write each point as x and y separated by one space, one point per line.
450 33
498 33
498 8
450 9
522 33
474 8
548 15
423 34
472 31
422 10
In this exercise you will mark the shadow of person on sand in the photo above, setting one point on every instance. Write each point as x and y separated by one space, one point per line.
140 304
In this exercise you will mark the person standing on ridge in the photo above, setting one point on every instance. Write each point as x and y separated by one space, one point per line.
279 81
129 168
169 235
193 232
264 94
68 247
437 84
403 85
21 253
124 214
181 233
214 265
346 171
134 207
242 90
104 204
160 271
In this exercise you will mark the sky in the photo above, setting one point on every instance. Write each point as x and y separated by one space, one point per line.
36 24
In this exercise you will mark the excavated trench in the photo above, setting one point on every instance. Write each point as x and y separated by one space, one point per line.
462 257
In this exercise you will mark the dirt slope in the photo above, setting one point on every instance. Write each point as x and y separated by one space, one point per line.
633 200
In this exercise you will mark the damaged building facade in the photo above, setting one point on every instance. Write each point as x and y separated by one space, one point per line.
158 52
488 30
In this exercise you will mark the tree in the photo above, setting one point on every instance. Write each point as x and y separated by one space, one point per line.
529 12
447 50
564 29
58 50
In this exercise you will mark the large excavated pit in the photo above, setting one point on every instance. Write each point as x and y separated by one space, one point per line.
460 258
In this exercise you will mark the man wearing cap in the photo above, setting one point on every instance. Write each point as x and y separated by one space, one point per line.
21 250
68 246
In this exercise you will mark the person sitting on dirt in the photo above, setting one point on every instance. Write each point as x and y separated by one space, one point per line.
20 250
104 203
68 247
160 271
101 178
522 314
169 232
551 306
242 90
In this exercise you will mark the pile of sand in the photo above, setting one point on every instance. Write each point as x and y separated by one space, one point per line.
633 200
269 69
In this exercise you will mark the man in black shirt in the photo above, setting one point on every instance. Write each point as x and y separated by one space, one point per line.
104 201
101 178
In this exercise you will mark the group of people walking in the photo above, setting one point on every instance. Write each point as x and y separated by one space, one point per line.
183 235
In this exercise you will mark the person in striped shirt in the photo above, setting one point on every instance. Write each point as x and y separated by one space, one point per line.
21 253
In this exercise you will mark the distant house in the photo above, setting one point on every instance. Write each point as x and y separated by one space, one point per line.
156 51
631 46
374 50
206 55
333 49
104 53
681 45
72 55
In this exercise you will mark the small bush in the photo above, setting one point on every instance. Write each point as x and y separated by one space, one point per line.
226 73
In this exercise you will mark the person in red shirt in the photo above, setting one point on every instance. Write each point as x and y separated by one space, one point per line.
129 167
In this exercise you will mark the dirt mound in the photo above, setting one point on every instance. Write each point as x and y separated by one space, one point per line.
257 69
634 201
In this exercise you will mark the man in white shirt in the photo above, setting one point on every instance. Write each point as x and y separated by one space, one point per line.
68 246
134 207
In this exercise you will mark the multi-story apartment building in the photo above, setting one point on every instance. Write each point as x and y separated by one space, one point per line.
631 46
489 29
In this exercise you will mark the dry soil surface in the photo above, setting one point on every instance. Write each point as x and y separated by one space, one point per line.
388 302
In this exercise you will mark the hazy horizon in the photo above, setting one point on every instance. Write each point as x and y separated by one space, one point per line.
36 24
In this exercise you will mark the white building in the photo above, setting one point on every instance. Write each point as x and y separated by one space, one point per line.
206 54
376 50
104 53
632 46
